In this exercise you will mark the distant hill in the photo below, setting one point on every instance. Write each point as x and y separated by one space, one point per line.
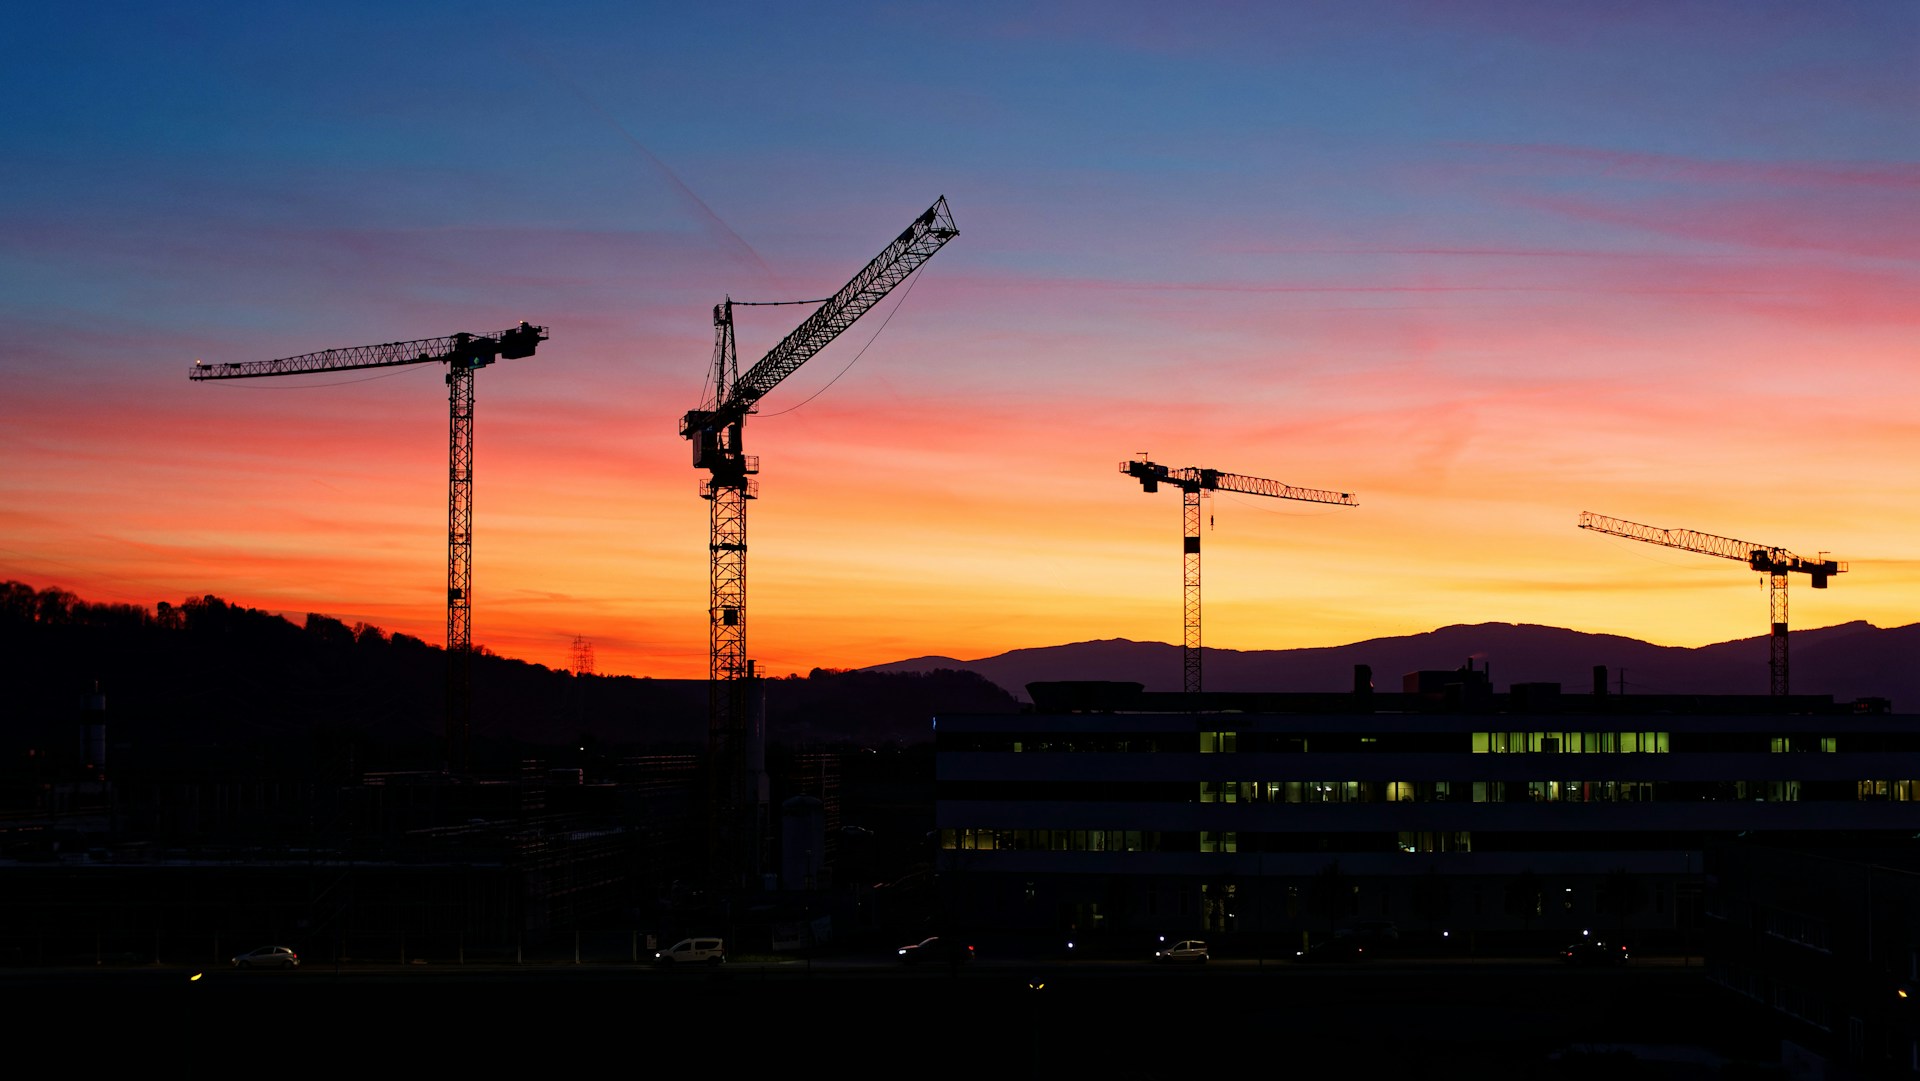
1852 660
207 684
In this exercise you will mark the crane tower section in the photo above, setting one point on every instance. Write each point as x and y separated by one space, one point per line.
1774 562
463 354
1192 482
715 431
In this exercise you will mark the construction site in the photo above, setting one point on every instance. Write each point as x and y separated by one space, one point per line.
144 859
1098 814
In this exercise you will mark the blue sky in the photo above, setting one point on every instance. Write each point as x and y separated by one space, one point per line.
1495 263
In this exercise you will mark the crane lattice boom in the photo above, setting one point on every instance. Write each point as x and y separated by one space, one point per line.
914 246
1775 563
463 354
716 431
1764 558
508 345
1191 483
1189 479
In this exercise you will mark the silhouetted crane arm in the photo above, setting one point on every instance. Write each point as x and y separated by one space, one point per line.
508 344
1234 482
1764 558
1192 482
1189 479
464 355
928 233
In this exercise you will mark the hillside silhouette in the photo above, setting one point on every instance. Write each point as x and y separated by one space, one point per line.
207 684
1848 661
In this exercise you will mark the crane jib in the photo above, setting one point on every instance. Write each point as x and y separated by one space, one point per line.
1764 558
715 428
1152 474
913 247
474 350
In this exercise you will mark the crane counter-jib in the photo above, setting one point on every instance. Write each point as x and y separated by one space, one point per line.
477 350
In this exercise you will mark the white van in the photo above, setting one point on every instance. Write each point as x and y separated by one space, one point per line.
692 950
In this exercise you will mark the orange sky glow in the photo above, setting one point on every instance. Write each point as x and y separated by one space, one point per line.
1481 312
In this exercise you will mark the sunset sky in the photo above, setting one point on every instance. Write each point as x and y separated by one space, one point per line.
1485 265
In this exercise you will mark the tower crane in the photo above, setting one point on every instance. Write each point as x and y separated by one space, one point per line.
1775 563
463 354
714 429
1191 483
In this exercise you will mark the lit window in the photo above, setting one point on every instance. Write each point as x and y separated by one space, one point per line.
1211 841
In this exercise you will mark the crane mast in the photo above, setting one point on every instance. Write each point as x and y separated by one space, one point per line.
1774 562
1191 483
463 354
715 430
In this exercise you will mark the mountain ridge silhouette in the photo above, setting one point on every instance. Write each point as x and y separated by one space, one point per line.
1849 660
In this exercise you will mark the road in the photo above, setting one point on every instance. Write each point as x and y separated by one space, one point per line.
1020 1018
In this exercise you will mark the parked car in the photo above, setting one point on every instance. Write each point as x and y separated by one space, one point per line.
933 949
1593 951
268 957
690 951
1190 949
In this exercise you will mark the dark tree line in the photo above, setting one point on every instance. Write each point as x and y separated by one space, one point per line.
208 681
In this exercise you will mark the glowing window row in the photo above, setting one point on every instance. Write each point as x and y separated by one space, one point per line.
1015 840
1428 791
1481 743
1405 841
1773 791
1572 743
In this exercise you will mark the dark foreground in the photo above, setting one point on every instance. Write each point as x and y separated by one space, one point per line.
991 1019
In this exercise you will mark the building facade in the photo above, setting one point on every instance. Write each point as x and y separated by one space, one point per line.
1824 947
1443 809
